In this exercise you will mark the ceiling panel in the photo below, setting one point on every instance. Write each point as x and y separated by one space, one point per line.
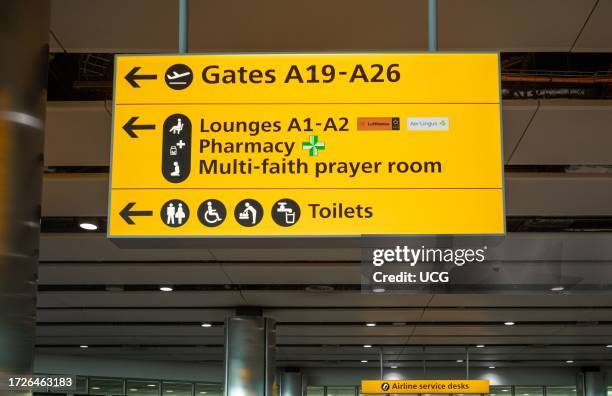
501 315
134 26
567 132
520 339
77 134
176 314
315 25
511 25
499 330
336 299
516 116
111 331
139 299
331 330
558 194
330 315
265 254
151 26
173 273
509 300
75 195
597 34
135 340
96 247
297 273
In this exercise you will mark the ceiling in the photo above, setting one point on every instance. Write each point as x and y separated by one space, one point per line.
557 154
296 25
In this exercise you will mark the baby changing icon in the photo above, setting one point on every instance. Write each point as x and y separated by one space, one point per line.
248 212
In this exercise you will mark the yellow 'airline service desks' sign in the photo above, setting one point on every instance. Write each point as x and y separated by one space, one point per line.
306 145
424 386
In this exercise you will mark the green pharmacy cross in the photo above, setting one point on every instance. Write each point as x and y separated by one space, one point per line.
313 145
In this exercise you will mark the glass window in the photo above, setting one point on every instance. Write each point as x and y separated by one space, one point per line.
176 388
105 386
341 391
314 391
561 391
142 387
528 391
209 389
500 391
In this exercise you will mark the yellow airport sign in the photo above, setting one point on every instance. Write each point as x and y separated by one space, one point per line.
424 386
338 156
308 78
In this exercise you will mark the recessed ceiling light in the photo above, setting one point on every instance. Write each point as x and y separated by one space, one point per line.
206 325
133 390
491 367
367 346
166 288
505 390
609 346
393 367
459 360
88 226
83 346
509 323
557 288
480 346
152 385
378 290
202 393
95 387
169 391
364 361
371 324
569 361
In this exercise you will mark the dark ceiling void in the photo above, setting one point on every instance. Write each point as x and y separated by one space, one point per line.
513 224
86 76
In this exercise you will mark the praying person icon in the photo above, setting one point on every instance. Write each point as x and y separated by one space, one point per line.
177 170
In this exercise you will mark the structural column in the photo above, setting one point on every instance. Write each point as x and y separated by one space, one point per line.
292 384
592 382
250 358
24 32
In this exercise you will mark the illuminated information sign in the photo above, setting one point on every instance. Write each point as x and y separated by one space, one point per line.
306 145
424 386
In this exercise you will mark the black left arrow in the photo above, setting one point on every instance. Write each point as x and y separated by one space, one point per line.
132 77
127 213
130 127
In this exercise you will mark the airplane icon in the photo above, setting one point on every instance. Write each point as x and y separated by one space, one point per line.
176 75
